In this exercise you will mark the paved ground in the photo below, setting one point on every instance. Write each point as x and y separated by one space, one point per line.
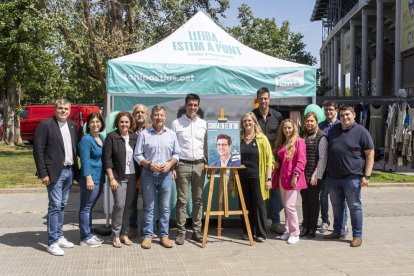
388 246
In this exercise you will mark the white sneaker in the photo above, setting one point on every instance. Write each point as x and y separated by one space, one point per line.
324 227
90 242
293 239
284 237
64 243
97 239
55 249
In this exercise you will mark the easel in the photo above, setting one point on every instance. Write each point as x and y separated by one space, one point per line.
223 193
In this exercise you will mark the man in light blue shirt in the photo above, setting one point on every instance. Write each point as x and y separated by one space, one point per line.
157 152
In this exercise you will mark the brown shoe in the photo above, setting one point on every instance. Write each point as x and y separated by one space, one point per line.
166 242
146 243
356 242
335 236
125 240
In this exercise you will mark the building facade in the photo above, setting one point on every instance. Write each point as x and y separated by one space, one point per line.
372 41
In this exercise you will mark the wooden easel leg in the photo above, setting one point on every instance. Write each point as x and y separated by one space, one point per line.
244 210
220 203
210 197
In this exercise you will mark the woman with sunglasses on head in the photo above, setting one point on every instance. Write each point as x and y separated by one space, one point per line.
288 176
256 181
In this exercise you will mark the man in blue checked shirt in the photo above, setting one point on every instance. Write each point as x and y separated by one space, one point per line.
157 152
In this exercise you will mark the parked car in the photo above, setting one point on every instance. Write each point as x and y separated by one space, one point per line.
32 115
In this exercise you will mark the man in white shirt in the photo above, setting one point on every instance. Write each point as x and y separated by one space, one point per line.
191 133
54 152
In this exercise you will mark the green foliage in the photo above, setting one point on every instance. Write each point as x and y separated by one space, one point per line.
264 35
322 87
26 48
94 32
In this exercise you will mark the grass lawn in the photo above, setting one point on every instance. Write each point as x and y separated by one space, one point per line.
17 169
383 177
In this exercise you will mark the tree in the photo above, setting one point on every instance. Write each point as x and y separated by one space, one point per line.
322 84
26 57
96 31
265 36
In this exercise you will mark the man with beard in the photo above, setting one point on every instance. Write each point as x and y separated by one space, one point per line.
269 121
139 113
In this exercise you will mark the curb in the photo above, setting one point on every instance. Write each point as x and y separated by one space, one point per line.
75 188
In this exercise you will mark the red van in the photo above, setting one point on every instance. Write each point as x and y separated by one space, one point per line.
32 115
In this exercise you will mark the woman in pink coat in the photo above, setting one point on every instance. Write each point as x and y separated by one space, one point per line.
288 176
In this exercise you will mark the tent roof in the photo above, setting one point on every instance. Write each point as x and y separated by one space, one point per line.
200 41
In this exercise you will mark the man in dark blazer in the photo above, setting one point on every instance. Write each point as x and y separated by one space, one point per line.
54 152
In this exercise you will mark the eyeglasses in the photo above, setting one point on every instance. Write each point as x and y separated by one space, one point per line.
222 145
330 109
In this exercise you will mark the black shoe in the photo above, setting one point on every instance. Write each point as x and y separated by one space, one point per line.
304 231
311 234
197 236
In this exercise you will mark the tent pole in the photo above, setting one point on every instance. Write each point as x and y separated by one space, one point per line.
106 190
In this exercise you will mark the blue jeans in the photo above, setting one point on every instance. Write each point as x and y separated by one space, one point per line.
58 194
349 189
325 207
275 204
88 199
156 186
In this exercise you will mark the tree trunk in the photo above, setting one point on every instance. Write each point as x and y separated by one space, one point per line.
11 119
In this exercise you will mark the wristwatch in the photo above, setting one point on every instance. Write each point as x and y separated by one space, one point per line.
367 177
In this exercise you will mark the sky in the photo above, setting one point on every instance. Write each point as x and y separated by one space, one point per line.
297 12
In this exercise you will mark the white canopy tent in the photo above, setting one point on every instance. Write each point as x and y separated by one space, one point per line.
200 57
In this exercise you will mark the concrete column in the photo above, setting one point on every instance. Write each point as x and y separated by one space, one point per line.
352 51
322 58
335 64
332 65
398 57
326 54
364 54
328 66
342 91
380 49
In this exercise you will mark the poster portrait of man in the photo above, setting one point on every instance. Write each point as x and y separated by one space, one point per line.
223 144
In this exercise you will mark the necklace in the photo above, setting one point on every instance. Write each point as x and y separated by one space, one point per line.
251 137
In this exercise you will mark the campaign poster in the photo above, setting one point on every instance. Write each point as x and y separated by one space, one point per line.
223 143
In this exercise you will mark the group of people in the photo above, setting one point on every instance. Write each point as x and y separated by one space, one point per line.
279 161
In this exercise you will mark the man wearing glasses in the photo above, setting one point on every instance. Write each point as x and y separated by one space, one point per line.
224 150
331 119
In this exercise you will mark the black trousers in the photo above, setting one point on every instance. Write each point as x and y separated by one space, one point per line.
310 206
255 205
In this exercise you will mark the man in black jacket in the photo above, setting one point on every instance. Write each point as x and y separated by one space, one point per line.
269 121
54 152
